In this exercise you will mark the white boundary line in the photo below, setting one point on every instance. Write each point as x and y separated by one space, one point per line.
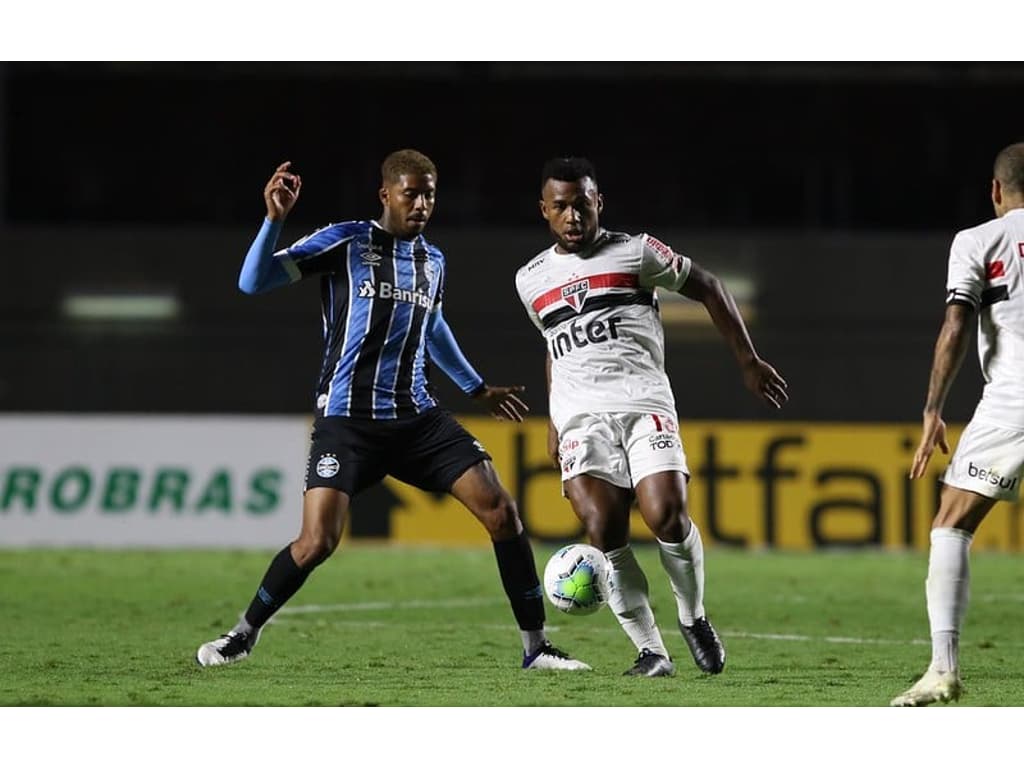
388 605
288 612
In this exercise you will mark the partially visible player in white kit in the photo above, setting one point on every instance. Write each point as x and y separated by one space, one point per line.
613 429
985 281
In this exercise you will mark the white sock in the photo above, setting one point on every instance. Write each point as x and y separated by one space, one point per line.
532 639
948 590
684 564
628 601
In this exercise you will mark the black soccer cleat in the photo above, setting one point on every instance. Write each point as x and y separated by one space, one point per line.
227 649
708 651
651 664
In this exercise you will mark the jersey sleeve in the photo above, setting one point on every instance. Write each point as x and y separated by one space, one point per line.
442 283
967 271
660 266
524 297
318 253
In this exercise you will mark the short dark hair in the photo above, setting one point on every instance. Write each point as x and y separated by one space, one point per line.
1009 167
567 169
404 161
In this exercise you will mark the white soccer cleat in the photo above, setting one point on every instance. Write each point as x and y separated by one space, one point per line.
932 687
226 649
549 657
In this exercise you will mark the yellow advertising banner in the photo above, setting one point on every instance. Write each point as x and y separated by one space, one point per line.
788 485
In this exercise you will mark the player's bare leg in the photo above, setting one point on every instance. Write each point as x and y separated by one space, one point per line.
662 501
947 590
603 508
324 511
481 492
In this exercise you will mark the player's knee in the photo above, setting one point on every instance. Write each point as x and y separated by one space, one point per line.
500 517
604 531
598 537
311 549
667 519
957 517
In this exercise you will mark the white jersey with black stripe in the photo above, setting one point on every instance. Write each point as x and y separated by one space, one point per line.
986 272
598 313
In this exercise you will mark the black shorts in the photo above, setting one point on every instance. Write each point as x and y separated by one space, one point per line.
429 451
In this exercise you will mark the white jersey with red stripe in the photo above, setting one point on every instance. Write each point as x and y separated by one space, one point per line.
598 312
986 272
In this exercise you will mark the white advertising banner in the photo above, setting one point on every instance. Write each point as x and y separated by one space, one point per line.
151 481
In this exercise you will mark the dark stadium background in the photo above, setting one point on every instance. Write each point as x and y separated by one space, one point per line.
832 189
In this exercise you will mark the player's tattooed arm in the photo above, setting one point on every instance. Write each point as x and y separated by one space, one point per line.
950 350
758 376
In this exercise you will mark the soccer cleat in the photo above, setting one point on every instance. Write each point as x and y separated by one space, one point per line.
708 651
226 649
549 657
651 664
933 686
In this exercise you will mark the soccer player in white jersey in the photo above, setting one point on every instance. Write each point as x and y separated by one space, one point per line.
613 427
986 281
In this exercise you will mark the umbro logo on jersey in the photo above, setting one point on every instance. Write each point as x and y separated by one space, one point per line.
366 290
575 294
373 255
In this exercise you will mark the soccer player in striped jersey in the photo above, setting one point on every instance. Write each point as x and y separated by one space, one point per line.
984 287
382 285
613 432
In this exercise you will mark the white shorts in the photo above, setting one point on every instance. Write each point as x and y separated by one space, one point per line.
621 448
988 460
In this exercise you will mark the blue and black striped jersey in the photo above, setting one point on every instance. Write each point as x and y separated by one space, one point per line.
377 294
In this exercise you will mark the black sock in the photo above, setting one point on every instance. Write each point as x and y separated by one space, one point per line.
282 580
519 577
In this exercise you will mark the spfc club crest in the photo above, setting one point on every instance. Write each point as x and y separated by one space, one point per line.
575 294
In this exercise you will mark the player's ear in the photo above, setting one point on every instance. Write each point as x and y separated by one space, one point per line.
997 192
543 208
600 202
383 194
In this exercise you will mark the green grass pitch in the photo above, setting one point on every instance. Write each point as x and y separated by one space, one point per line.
392 627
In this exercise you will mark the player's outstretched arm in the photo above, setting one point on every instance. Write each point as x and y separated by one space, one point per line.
758 376
502 402
260 271
950 349
552 432
444 350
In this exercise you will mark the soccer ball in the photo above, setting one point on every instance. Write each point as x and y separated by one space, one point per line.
576 579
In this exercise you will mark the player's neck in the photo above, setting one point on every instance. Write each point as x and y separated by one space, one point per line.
383 223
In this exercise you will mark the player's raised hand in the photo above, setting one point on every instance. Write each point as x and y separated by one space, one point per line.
281 192
933 433
765 382
503 403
